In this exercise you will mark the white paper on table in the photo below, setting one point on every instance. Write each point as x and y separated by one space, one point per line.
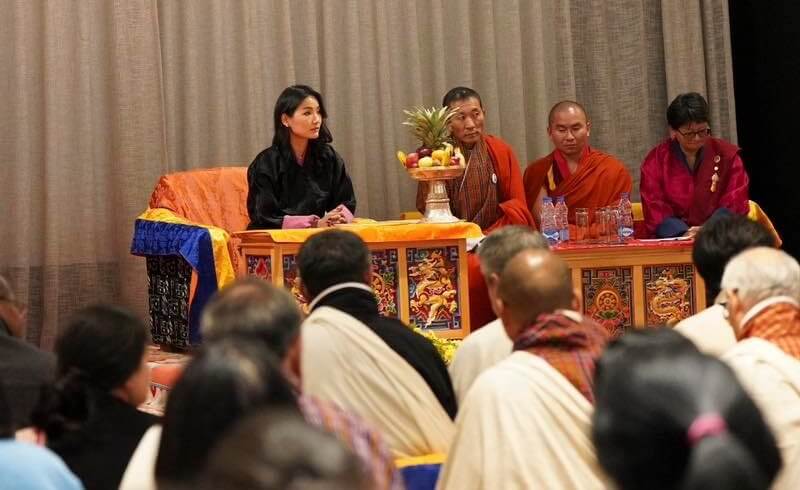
472 243
674 239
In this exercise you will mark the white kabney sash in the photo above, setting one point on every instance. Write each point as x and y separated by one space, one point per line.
523 425
772 378
345 362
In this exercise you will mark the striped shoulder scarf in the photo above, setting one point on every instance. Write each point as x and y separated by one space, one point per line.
569 342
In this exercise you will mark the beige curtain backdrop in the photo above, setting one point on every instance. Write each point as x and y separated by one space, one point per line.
101 97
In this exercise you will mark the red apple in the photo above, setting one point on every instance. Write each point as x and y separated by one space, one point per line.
411 160
455 159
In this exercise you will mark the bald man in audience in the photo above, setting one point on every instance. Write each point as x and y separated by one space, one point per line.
761 287
525 423
586 177
484 348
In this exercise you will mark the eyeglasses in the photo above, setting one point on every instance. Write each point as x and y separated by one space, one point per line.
701 133
723 299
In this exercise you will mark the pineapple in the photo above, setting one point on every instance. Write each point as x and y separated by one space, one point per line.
430 126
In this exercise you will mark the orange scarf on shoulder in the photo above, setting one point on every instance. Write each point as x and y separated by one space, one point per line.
778 324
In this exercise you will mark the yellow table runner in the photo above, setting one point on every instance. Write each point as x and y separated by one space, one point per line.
382 231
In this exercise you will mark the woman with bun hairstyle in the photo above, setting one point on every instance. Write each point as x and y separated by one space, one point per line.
669 417
89 414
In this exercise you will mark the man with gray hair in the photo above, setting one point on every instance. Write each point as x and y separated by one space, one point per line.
762 290
486 347
251 306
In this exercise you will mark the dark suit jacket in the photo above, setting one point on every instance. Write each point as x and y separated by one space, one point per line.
23 371
100 450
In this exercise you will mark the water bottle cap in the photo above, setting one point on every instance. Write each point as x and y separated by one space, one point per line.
547 199
560 199
624 194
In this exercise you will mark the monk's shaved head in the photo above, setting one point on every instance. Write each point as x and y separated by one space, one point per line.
532 283
566 105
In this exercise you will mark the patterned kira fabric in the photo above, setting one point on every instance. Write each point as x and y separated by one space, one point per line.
572 347
363 440
474 196
778 324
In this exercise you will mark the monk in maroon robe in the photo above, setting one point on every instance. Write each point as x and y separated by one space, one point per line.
490 193
586 177
690 176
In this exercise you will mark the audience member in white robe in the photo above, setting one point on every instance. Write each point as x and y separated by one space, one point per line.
716 243
488 345
670 417
526 421
366 363
762 289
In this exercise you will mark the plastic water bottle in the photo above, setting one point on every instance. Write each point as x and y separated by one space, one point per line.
562 219
548 221
625 226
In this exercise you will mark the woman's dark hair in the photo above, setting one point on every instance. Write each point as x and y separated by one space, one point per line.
278 450
650 386
687 108
101 347
287 103
224 381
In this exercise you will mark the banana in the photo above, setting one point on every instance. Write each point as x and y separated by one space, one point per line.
439 156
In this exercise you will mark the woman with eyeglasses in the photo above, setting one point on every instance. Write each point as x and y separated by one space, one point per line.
691 175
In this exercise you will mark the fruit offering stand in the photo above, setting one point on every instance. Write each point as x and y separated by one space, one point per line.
436 161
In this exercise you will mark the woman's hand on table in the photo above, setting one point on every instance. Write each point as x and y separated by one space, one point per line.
331 218
691 232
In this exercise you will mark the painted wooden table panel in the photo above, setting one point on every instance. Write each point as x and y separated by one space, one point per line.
419 271
423 281
637 284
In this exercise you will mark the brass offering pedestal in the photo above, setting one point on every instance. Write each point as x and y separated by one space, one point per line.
437 204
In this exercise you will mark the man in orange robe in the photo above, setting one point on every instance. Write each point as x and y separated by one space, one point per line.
490 193
586 177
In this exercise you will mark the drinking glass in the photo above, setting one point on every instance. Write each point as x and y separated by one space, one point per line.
582 225
612 224
601 224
